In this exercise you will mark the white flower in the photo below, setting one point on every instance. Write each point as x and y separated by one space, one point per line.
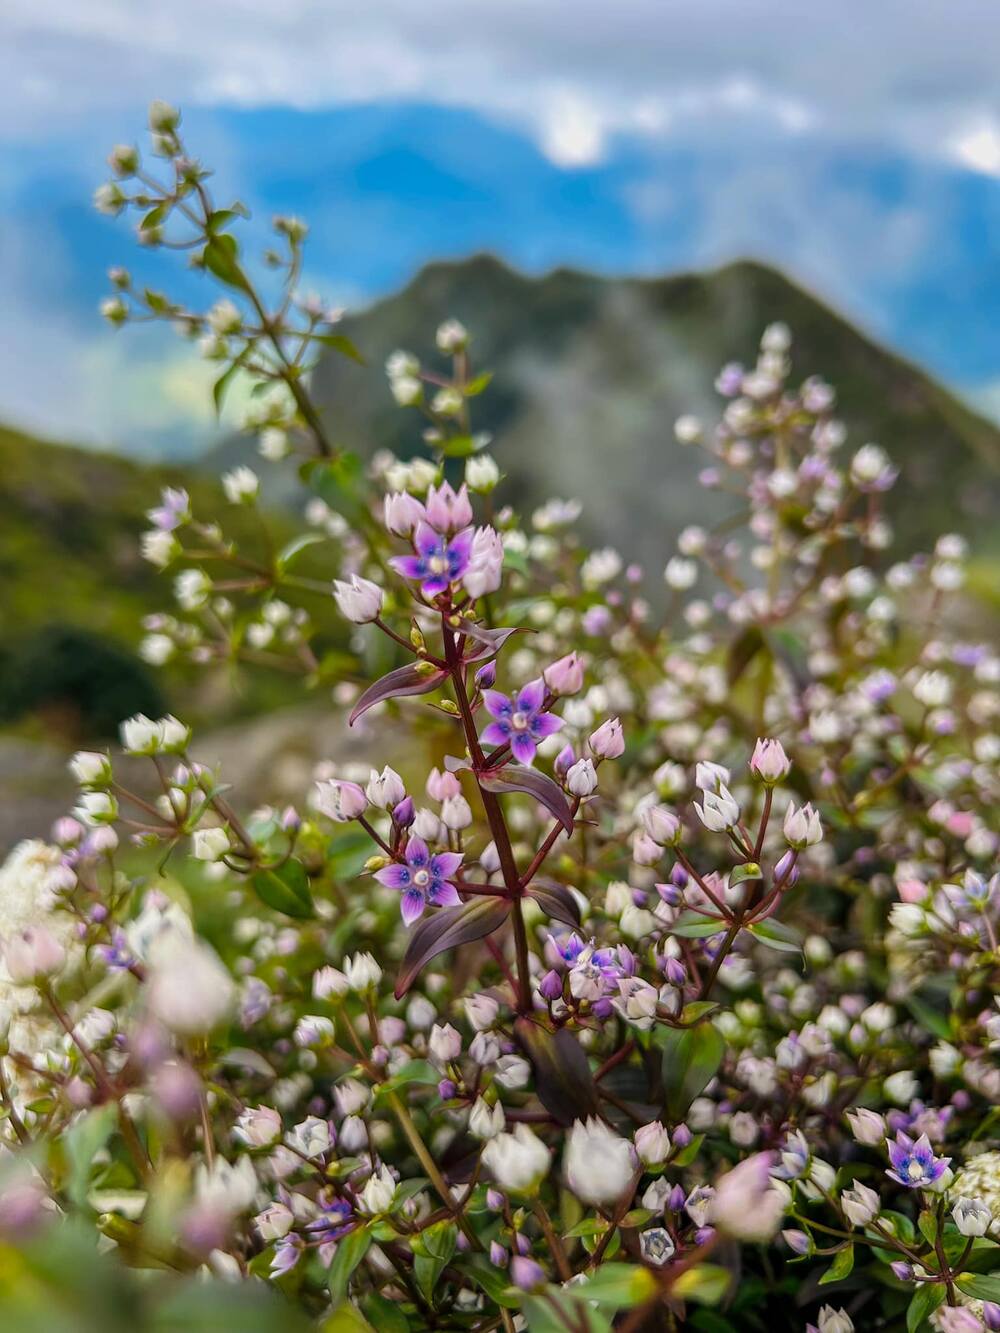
209 844
485 1121
517 1161
680 573
451 336
746 1205
311 1136
687 430
241 485
407 390
484 573
598 1164
385 789
932 689
90 768
258 1126
861 1205
359 601
710 777
444 1043
97 807
481 473
140 735
227 1188
362 971
159 547
830 1320
719 810
972 1217
188 989
652 1143
32 953
378 1193
581 778
481 1011
224 317
802 828
512 1072
274 1222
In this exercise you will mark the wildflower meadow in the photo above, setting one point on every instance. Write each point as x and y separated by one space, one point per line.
645 978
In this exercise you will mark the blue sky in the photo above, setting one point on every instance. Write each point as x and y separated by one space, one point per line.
859 149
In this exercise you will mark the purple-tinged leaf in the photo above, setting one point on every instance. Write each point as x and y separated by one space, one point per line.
492 640
416 678
555 900
563 1081
447 929
515 777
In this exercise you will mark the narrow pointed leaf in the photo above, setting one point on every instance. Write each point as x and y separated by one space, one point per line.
691 1059
285 888
563 1080
447 929
415 678
517 778
555 900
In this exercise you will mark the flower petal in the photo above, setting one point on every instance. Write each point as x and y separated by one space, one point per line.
394 876
523 748
417 854
545 724
426 540
444 895
410 566
497 733
444 864
412 905
530 697
497 704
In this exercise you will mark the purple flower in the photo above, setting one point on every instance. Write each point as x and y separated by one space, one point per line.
423 879
913 1162
117 954
520 720
287 1253
437 563
335 1220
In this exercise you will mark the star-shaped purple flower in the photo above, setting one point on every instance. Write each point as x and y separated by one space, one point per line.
335 1220
520 720
437 563
913 1162
422 879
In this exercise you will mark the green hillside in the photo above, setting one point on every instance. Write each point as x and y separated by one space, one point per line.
591 373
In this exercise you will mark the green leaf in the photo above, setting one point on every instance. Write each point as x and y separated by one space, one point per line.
926 1299
691 1059
982 1286
340 483
351 1249
385 1315
340 344
927 1222
414 1071
494 1281
841 1266
291 549
461 446
478 383
706 1284
619 1285
558 1311
694 926
285 888
222 384
432 1249
221 257
82 1143
348 1320
776 935
929 1017
689 1154
749 870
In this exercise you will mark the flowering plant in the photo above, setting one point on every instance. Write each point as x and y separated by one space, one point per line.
653 989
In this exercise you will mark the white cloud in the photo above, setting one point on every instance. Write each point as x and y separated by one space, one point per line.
576 71
978 147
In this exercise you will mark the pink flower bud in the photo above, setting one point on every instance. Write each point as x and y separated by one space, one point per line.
340 801
564 676
608 741
769 761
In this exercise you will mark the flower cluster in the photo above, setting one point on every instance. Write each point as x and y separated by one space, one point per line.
658 969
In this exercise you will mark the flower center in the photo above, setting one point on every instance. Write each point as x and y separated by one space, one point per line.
914 1170
519 721
438 564
421 878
